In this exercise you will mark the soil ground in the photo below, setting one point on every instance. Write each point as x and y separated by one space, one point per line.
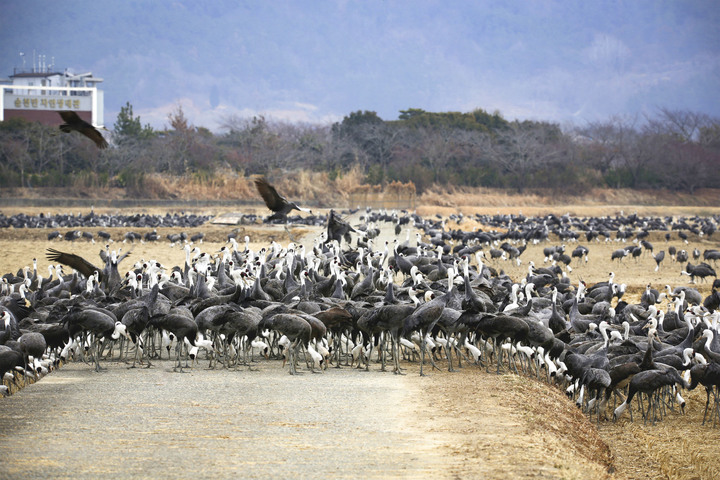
343 423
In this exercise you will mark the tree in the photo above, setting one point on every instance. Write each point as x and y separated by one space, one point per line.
685 126
689 167
622 152
375 137
354 125
128 128
635 155
710 135
478 119
15 154
178 142
439 146
253 141
524 149
601 142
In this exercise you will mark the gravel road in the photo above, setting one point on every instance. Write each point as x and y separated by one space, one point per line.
152 423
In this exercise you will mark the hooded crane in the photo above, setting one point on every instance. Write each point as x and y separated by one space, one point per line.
73 122
423 319
295 328
701 270
99 323
276 202
183 327
32 344
648 382
708 375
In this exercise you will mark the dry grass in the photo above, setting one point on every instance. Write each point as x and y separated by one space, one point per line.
509 426
679 447
346 182
226 185
469 200
317 188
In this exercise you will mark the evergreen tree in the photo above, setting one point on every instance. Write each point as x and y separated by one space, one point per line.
128 128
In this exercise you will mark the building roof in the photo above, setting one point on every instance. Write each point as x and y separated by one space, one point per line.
35 74
87 76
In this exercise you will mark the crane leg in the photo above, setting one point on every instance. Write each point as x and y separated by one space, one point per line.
396 354
448 355
137 352
458 352
149 340
432 361
97 356
369 356
187 356
178 351
383 354
83 350
511 359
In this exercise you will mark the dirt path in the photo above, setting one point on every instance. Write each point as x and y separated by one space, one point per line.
345 423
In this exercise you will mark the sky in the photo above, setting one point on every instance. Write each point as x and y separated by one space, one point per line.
316 61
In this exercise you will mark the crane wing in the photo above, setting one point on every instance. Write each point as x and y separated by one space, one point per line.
70 117
74 122
122 257
337 224
272 198
73 261
93 134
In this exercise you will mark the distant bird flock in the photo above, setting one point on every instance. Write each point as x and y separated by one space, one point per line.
356 299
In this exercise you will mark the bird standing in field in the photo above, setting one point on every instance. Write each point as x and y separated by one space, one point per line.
276 202
73 122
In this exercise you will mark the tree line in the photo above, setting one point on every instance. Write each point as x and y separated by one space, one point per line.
673 149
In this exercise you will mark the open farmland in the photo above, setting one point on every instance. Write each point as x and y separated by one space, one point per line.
465 424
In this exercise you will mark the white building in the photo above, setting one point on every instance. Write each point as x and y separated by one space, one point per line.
38 95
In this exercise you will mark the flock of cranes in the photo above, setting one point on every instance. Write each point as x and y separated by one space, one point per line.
434 298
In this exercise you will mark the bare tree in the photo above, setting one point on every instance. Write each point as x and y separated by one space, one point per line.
689 166
16 156
437 147
523 150
603 143
682 125
710 135
251 138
